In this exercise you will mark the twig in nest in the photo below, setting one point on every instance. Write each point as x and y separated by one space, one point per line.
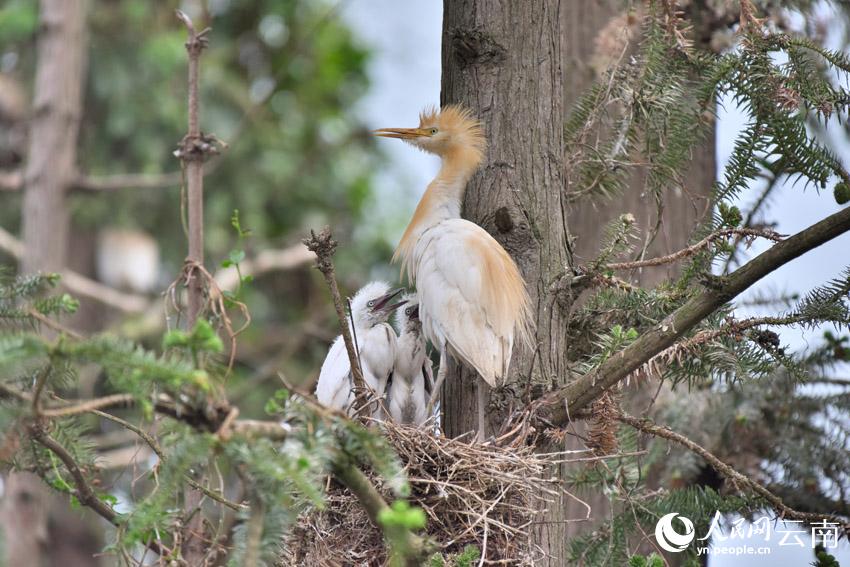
324 246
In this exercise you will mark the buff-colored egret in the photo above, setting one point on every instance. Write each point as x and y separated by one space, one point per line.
472 299
413 378
376 344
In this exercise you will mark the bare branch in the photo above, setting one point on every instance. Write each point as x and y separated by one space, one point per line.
120 181
693 249
81 285
324 246
581 392
114 400
740 481
155 447
84 492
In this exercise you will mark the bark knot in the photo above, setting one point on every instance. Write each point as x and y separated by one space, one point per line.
475 47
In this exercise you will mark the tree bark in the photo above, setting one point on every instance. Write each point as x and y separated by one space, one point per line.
56 112
504 61
520 67
28 509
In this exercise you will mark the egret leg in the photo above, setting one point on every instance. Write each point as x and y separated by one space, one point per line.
441 377
482 392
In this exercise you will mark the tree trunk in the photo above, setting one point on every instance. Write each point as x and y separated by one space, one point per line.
504 61
54 125
520 66
28 511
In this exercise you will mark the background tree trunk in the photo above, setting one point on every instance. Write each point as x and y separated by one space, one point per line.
520 67
39 528
56 110
583 22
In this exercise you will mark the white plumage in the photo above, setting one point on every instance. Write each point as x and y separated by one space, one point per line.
376 342
413 378
473 301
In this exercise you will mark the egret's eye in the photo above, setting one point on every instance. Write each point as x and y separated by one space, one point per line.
371 303
433 131
408 311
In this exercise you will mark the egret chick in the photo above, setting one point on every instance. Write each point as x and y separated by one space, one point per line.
472 299
413 378
376 346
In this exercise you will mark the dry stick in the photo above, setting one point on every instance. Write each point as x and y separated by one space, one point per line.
580 393
192 152
324 247
738 479
40 382
693 249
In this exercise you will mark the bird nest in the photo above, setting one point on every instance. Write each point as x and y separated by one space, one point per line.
481 495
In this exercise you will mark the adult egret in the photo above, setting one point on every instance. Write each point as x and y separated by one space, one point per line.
413 379
376 345
472 299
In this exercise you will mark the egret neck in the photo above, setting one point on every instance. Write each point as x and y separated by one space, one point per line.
442 199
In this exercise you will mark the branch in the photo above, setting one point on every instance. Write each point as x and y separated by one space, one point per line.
265 261
691 250
324 247
155 447
81 285
14 181
739 480
582 392
83 492
129 180
192 151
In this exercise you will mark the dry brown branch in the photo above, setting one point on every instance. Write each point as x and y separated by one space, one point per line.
215 302
193 150
40 382
83 491
324 246
111 401
52 324
693 249
155 447
741 482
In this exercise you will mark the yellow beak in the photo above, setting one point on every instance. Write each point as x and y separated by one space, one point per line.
403 133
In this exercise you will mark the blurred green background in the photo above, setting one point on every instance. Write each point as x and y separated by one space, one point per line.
278 83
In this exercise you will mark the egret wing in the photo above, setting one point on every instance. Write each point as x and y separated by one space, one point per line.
472 296
334 386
